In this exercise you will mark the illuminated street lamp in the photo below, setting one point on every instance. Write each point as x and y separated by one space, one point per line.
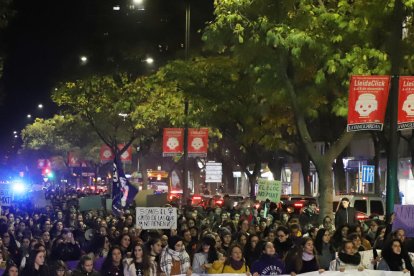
29 116
149 60
15 132
40 106
84 59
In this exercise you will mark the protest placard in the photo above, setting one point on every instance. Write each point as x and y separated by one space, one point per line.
404 218
156 217
269 189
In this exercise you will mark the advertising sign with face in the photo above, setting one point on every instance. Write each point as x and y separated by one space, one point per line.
406 103
172 144
197 142
368 97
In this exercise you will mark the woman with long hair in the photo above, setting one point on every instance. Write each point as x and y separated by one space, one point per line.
125 244
325 253
283 242
269 262
154 248
340 236
395 257
11 269
174 259
60 269
139 263
235 263
112 264
379 237
35 265
85 267
302 259
206 256
252 249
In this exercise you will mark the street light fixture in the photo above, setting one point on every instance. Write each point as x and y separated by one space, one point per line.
84 60
29 116
149 60
40 106
14 132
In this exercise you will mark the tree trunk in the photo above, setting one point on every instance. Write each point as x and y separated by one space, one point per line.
275 165
377 150
143 168
325 190
228 179
304 161
339 172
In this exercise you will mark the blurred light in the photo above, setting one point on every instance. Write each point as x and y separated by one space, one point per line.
29 116
149 60
19 187
138 2
84 59
116 8
16 136
40 106
14 132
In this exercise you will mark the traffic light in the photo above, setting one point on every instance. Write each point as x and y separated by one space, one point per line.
47 172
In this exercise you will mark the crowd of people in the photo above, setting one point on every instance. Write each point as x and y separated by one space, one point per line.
235 238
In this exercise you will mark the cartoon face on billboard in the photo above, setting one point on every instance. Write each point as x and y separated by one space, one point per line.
197 143
107 153
366 104
408 105
172 143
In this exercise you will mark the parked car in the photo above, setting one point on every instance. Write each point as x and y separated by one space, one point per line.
295 203
366 206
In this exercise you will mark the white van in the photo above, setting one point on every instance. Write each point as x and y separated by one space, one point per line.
365 205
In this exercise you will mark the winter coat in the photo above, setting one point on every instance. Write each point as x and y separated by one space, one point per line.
268 265
131 270
345 216
78 272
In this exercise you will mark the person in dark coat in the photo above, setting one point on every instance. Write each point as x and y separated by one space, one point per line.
269 262
283 242
345 214
309 217
67 249
395 258
112 266
85 267
36 265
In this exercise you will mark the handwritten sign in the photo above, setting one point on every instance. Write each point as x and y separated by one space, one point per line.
156 217
6 197
269 189
404 218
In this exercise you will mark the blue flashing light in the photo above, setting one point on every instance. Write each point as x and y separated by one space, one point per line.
19 187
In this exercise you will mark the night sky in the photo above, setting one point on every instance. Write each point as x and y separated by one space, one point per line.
46 38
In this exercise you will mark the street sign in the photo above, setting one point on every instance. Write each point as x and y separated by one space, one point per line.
214 172
368 173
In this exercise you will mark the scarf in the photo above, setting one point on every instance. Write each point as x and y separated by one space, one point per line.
166 260
394 261
236 265
350 259
307 257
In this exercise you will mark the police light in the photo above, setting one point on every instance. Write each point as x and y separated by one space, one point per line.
19 187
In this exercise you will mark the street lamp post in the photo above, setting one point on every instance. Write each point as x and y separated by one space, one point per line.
186 104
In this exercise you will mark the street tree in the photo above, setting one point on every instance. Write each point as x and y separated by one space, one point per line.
306 50
225 97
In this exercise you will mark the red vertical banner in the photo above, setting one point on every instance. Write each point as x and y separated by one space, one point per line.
106 154
126 156
368 96
197 142
73 159
406 103
173 139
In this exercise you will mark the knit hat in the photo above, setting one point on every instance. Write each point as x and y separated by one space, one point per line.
172 241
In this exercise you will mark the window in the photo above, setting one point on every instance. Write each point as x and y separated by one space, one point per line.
376 207
360 205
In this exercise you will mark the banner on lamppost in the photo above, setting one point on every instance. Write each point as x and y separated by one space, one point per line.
106 154
197 142
173 139
73 159
406 103
126 156
368 96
